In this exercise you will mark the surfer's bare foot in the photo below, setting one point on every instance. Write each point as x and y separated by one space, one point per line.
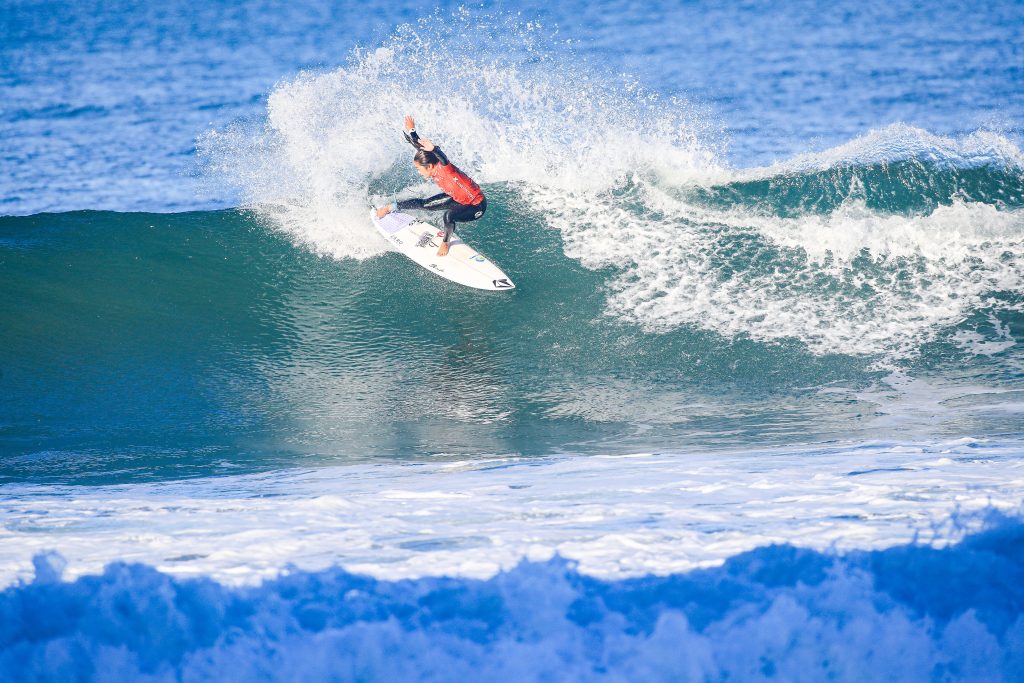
383 211
443 251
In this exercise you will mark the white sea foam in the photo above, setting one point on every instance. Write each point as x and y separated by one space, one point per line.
980 345
854 281
616 515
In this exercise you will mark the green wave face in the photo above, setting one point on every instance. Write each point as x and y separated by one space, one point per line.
156 345
904 187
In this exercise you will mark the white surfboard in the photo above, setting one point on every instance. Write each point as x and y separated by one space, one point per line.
420 241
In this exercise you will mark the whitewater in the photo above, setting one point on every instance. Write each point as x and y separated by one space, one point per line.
753 411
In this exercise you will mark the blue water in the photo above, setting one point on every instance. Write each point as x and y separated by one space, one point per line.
770 290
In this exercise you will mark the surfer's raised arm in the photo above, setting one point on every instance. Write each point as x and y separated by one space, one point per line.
413 138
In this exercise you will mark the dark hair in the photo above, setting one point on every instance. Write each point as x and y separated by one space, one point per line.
425 158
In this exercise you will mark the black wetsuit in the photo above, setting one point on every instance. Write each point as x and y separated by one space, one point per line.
454 212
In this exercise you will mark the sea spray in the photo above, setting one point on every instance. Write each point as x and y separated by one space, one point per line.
331 145
874 248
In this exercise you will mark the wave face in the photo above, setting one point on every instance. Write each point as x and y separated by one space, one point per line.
170 345
907 613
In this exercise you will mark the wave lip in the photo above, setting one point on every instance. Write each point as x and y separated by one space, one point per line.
898 170
906 613
902 142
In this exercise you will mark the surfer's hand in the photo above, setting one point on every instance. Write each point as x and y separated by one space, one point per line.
383 211
426 145
443 251
409 124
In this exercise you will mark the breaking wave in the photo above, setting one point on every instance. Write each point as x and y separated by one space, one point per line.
873 248
907 613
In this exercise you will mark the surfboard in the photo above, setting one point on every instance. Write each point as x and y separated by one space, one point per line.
420 241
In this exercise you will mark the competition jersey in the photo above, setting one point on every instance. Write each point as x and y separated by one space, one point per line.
455 183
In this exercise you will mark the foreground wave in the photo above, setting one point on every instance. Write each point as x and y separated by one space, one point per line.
189 343
909 613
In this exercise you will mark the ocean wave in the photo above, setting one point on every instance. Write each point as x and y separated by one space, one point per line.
204 329
907 613
874 248
899 170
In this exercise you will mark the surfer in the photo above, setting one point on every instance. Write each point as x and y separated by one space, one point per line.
462 200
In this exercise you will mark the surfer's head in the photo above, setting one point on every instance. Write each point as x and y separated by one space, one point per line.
424 162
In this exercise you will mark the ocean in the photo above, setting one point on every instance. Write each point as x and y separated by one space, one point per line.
755 409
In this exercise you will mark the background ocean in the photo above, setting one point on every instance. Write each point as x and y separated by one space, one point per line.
755 409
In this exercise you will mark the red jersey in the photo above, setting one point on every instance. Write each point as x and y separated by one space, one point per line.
456 184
